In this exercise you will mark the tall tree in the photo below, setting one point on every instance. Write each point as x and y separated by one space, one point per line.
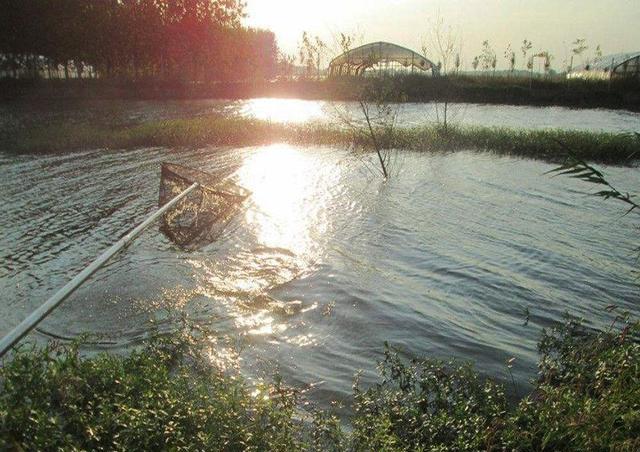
194 40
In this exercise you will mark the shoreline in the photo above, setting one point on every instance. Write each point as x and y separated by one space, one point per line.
169 394
499 90
551 145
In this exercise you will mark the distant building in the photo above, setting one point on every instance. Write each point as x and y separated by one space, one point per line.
621 65
382 56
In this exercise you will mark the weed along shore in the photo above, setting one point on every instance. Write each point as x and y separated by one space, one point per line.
168 396
497 90
550 145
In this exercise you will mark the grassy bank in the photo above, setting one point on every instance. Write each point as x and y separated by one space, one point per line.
551 145
619 94
166 397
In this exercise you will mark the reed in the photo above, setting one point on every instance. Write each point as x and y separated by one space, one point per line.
550 145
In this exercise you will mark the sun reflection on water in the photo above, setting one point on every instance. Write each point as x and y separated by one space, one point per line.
283 110
284 232
289 203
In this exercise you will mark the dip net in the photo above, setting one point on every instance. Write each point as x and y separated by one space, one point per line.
200 217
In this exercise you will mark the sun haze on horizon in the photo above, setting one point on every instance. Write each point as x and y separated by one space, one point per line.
550 24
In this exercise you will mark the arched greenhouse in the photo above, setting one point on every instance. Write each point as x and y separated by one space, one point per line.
621 65
383 56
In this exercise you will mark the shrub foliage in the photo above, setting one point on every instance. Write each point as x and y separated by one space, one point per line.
165 396
162 397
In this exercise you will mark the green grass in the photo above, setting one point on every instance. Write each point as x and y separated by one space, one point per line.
166 396
552 145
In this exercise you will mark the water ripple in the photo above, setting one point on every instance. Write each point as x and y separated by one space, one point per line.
325 263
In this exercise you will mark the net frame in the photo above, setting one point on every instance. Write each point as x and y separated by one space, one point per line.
201 217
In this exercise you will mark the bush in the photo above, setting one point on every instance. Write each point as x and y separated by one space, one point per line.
430 404
588 395
166 397
162 397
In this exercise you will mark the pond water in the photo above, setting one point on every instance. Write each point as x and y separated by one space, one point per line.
442 260
23 115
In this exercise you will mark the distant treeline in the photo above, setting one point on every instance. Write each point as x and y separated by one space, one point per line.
188 40
616 94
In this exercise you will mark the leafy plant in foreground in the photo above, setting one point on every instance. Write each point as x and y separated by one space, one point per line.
427 405
166 397
162 397
588 394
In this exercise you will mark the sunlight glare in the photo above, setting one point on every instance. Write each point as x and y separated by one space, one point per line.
294 111
287 221
289 207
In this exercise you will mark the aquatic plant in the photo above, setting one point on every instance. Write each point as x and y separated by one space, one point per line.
379 109
548 144
586 398
577 168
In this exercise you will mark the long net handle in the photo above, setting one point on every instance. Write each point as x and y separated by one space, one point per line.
45 309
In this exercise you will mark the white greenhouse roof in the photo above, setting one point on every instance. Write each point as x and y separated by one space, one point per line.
604 63
375 52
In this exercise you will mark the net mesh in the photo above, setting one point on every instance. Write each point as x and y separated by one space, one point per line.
200 217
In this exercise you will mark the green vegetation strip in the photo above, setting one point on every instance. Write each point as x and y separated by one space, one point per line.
166 396
552 145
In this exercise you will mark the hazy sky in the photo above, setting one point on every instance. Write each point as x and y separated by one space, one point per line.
551 24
